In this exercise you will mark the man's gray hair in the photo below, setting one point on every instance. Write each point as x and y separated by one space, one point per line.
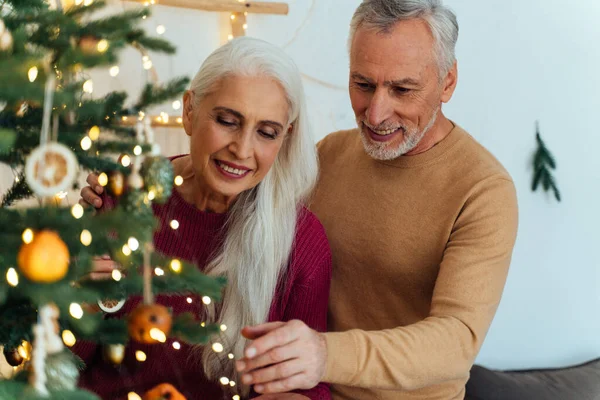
382 15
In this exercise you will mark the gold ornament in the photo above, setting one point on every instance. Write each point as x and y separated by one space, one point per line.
13 357
50 169
148 321
114 353
163 391
89 44
45 259
116 183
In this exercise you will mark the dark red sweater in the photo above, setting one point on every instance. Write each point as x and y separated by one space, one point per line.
303 295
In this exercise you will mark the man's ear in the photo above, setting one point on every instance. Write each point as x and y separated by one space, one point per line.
449 83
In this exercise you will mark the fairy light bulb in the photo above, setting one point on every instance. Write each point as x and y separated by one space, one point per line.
245 26
88 86
32 74
223 327
77 211
147 64
94 133
217 347
137 150
230 356
12 277
161 29
86 143
189 300
176 105
174 224
133 396
231 383
76 311
86 237
224 381
158 335
126 161
126 250
102 45
176 345
133 243
206 300
176 265
68 338
236 397
88 2
116 275
232 16
103 179
230 37
159 271
27 236
151 195
178 180
140 356
114 71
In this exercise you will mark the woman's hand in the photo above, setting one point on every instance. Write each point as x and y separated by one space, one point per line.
90 195
103 268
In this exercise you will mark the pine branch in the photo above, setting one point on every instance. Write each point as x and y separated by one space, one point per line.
543 162
19 191
153 95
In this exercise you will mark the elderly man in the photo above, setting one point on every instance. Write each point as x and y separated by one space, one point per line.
422 221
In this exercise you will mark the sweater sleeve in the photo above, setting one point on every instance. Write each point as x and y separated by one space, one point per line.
443 346
309 295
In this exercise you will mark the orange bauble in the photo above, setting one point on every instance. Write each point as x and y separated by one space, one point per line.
145 318
162 392
45 259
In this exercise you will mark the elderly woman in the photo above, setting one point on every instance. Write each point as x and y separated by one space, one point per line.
252 163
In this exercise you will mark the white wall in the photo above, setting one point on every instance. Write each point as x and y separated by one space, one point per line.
519 61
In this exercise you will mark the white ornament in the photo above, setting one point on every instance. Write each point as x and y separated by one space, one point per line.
50 169
109 306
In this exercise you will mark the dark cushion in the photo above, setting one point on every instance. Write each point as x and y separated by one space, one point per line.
579 382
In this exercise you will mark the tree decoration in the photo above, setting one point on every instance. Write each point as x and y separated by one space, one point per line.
543 163
158 176
13 357
45 259
51 169
6 39
162 392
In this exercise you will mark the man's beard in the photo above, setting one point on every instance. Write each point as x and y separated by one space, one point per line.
384 151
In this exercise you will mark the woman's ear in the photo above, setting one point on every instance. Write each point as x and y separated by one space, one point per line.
188 112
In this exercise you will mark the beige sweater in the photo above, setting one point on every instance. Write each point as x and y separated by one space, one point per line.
421 249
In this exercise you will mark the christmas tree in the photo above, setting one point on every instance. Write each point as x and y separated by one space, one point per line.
50 129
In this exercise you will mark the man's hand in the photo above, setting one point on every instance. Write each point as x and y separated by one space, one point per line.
282 396
91 194
284 356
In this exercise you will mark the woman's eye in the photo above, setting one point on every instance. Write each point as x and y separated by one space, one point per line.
225 122
268 135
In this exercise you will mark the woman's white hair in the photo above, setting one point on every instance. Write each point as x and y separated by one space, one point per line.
261 223
382 15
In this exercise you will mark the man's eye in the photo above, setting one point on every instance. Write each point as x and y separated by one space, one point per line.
401 90
363 86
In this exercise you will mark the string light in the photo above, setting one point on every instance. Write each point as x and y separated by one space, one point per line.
126 161
206 300
32 74
87 2
137 150
27 236
179 120
223 327
17 179
189 300
140 356
159 271
25 350
231 383
12 277
178 180
230 356
232 17
217 347
103 179
86 237
245 26
102 45
88 86
116 275
126 250
77 211
147 64
161 29
114 71
176 266
224 381
230 37
151 195
94 133
174 224
86 143
76 311
61 195
133 243
176 105
164 117
236 397
68 338
133 396
176 345
158 335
